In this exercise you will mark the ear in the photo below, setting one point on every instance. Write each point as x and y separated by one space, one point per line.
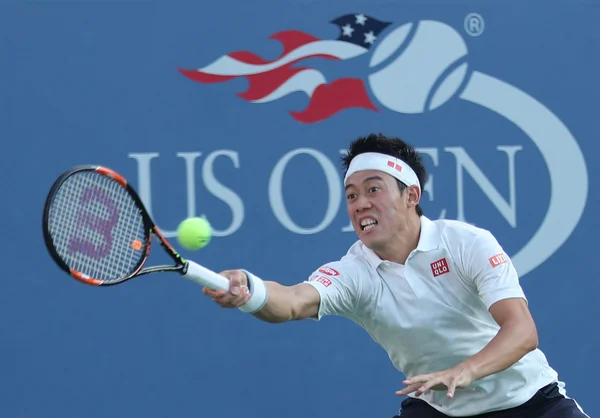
413 195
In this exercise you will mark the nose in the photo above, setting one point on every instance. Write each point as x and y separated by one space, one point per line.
361 203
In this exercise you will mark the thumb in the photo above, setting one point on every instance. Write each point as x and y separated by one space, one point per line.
235 283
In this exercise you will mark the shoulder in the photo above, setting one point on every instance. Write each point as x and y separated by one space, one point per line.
454 228
467 244
350 265
475 250
460 235
348 269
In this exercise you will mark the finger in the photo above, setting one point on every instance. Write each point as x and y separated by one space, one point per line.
236 281
223 295
421 378
428 385
226 305
452 388
213 293
243 299
238 300
228 300
409 389
229 296
235 277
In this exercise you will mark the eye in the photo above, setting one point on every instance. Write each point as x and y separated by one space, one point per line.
351 196
374 189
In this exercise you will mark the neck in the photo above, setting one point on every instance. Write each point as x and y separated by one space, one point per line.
403 242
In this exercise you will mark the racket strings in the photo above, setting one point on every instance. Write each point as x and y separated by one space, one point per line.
97 227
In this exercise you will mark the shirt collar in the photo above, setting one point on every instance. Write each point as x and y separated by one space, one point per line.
428 240
430 235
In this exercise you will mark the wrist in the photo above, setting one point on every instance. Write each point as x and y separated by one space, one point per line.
469 367
258 294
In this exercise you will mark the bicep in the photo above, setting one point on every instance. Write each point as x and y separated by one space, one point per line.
306 300
510 310
515 320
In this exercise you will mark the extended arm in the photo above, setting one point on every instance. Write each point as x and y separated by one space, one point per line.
289 303
284 303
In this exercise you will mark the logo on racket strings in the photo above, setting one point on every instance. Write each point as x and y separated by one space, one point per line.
98 243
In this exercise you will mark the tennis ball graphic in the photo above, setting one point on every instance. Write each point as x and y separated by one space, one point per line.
422 74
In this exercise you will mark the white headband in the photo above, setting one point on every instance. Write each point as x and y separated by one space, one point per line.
386 163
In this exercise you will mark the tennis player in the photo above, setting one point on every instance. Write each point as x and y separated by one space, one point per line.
441 297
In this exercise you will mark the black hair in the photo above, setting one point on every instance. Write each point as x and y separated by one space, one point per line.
392 146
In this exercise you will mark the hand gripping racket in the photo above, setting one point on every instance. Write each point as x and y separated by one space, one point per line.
97 229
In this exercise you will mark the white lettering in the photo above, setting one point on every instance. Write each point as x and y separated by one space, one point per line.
428 188
190 176
222 192
144 188
144 183
463 161
276 191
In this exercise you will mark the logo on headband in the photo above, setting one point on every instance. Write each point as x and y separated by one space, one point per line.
392 164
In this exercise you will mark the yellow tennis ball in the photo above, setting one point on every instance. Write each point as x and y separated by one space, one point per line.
194 233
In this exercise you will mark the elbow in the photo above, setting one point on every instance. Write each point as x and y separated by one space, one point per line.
523 335
275 320
271 318
531 342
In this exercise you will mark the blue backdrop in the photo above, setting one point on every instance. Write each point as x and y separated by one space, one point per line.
238 111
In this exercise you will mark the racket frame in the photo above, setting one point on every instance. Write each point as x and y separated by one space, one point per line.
181 265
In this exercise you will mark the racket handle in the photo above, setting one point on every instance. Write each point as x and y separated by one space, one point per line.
205 277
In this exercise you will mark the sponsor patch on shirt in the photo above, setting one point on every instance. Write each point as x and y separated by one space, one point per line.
321 279
498 259
329 271
440 267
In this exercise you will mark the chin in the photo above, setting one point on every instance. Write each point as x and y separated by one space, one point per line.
370 241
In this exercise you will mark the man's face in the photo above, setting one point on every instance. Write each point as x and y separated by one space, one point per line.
376 207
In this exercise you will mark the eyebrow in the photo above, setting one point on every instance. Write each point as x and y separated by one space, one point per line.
365 180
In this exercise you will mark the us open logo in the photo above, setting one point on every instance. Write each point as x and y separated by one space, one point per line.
410 68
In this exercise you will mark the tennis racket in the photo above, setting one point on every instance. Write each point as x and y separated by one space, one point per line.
97 229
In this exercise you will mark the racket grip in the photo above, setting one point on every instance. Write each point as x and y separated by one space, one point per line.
205 277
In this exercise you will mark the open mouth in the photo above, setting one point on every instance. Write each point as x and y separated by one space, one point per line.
368 224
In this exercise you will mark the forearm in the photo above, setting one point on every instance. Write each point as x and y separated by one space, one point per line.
514 340
279 306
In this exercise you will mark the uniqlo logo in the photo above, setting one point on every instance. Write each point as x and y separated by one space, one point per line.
440 267
392 164
498 259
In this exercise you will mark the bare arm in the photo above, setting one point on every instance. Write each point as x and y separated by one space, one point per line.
517 337
497 283
284 303
289 303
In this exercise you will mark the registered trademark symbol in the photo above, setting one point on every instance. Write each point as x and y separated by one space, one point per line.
474 24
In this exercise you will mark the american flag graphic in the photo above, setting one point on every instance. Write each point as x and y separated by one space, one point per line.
272 80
